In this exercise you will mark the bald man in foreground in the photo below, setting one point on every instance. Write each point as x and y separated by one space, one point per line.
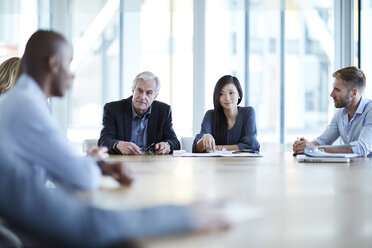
32 149
29 132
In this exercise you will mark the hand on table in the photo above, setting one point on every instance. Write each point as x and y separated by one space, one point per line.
118 171
300 144
128 148
208 217
162 148
208 143
98 153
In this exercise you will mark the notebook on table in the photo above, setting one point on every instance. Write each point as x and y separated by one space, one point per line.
304 158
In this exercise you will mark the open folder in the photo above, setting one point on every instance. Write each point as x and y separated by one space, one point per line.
317 154
318 151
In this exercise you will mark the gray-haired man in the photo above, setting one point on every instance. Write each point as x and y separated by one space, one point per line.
132 125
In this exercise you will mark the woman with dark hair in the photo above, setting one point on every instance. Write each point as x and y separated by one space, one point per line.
227 126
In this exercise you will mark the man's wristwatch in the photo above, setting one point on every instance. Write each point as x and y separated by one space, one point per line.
116 149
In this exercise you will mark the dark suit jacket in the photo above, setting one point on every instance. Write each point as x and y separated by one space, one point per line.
117 125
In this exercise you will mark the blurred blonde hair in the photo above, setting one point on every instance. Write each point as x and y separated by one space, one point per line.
10 70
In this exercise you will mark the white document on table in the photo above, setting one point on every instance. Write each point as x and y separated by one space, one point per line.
215 154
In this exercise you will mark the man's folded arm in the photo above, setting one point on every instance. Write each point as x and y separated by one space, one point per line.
329 135
363 146
42 144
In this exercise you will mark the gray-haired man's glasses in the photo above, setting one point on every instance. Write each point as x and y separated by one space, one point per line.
149 150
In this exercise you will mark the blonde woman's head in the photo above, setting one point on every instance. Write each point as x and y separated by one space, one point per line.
10 69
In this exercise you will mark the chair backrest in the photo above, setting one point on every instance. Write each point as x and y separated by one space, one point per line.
186 143
88 143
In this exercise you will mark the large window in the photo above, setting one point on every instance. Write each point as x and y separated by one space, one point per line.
94 33
224 43
19 19
264 67
153 35
366 44
308 60
166 32
282 51
309 67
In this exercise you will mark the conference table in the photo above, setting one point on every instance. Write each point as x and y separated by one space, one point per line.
298 204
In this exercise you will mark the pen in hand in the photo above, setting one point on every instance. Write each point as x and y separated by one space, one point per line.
298 139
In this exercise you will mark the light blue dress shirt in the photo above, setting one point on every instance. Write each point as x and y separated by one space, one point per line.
139 128
30 140
30 136
62 219
356 132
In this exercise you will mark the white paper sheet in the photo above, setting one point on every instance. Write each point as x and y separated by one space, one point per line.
215 154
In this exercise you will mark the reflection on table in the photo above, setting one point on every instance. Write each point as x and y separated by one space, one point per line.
303 204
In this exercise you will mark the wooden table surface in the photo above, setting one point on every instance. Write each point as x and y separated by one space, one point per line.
302 204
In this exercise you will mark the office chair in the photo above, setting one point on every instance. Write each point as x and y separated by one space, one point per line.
186 143
89 143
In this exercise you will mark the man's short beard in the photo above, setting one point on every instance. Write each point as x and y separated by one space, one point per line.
344 102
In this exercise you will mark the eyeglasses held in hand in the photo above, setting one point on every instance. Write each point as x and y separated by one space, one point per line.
149 150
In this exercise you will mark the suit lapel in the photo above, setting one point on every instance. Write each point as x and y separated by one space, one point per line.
151 127
127 125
